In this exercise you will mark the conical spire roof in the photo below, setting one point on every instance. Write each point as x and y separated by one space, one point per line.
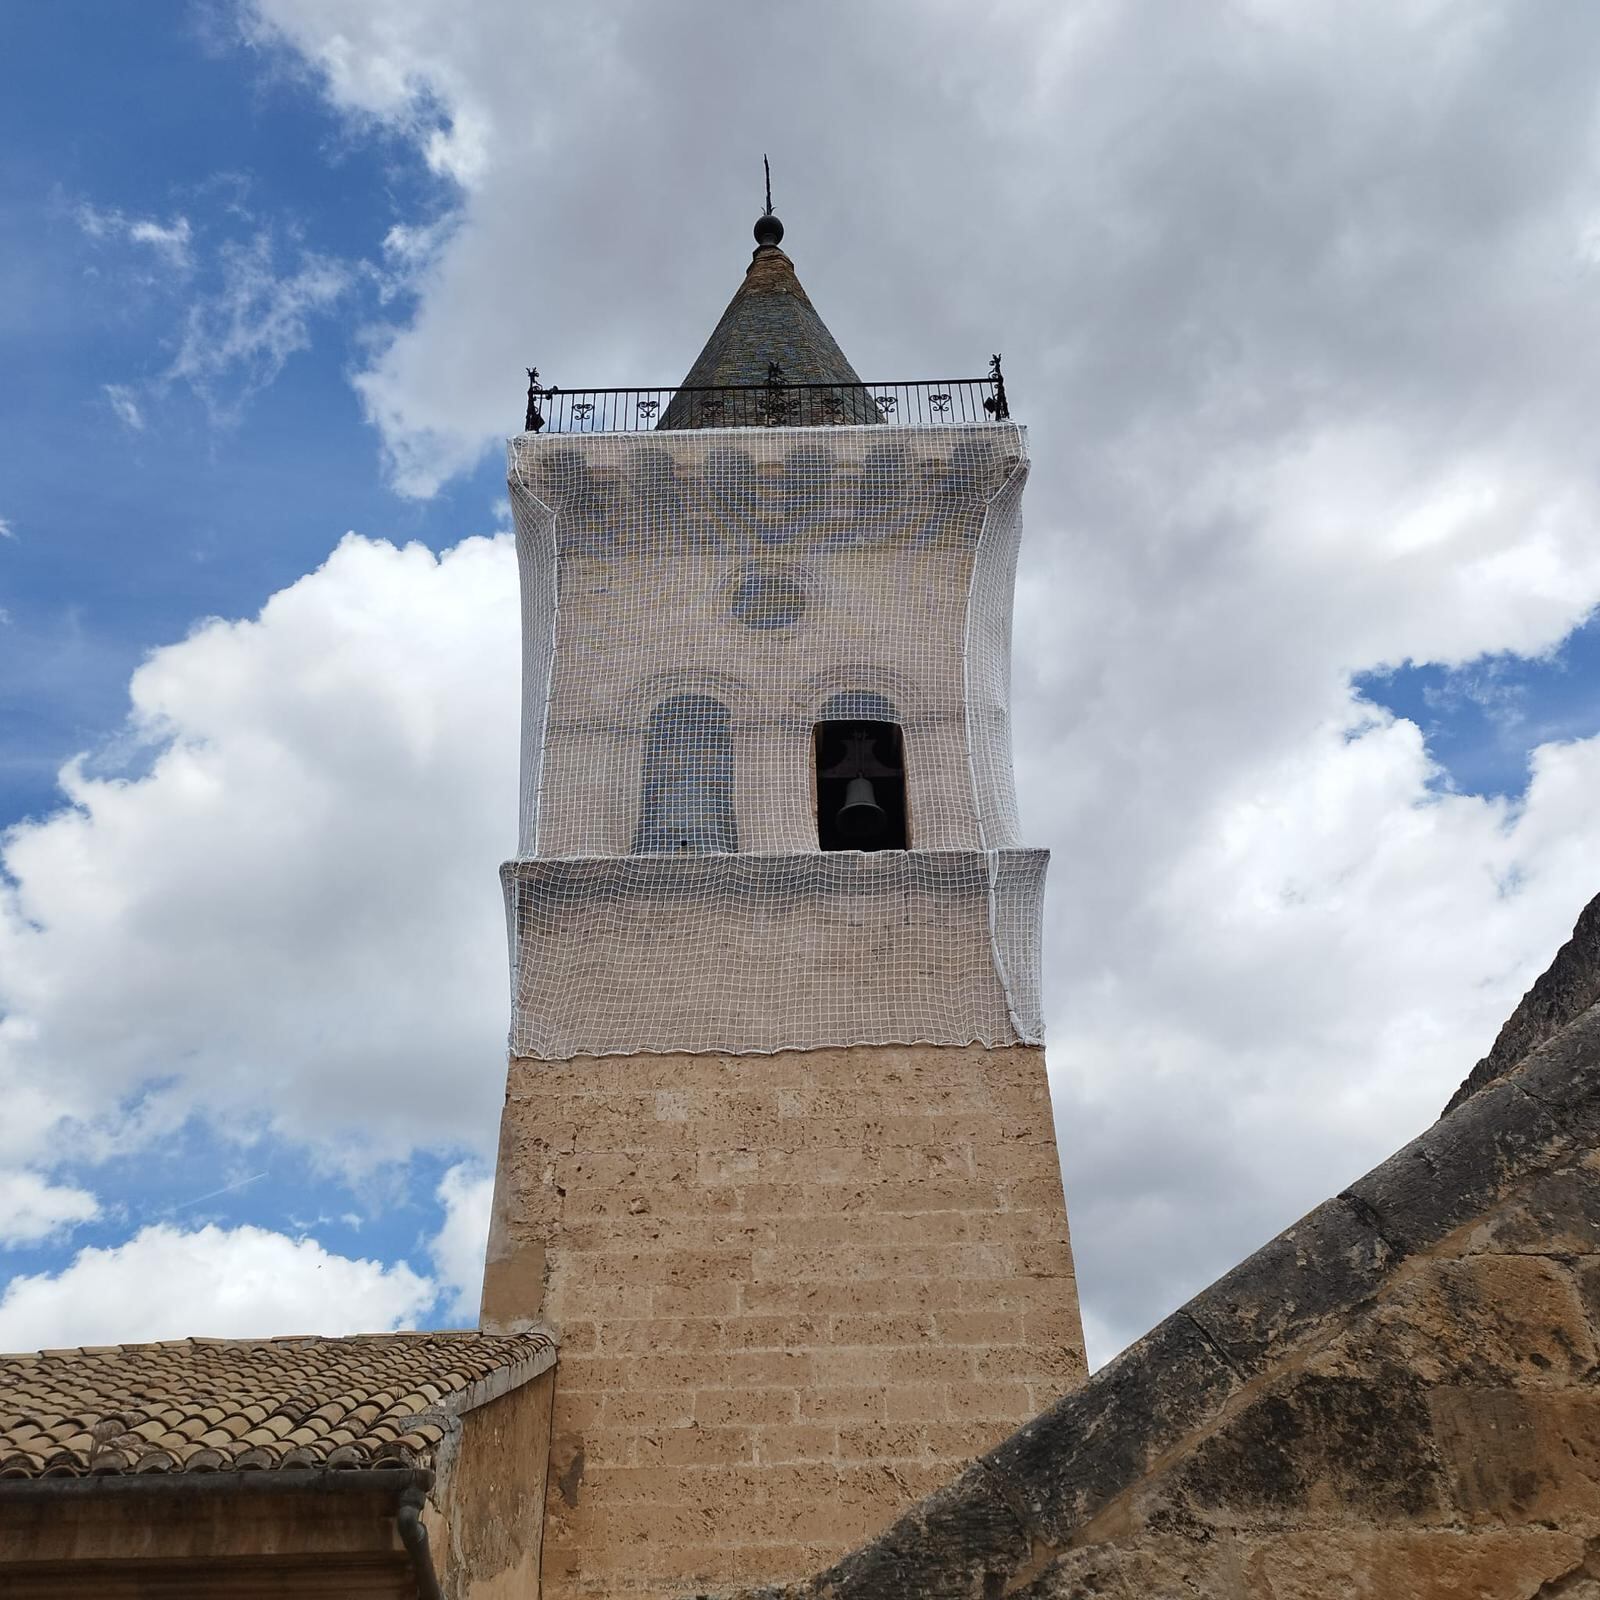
770 322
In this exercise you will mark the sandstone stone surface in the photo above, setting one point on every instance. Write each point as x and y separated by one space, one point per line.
796 1294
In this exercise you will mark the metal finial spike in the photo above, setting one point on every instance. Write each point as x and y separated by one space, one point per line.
768 229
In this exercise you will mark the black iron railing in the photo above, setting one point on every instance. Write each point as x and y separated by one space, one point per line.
773 404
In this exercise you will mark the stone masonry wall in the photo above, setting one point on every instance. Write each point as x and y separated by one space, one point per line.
1396 1399
487 1536
794 1293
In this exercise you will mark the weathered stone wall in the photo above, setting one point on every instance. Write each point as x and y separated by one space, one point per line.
252 1535
1395 1400
794 1293
486 1540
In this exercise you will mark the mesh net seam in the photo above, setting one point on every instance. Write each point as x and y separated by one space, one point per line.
1001 971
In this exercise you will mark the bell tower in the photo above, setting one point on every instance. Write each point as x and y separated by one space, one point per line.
776 1158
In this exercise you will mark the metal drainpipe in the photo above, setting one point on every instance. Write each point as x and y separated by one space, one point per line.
414 1536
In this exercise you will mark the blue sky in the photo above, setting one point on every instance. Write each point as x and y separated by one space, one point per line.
1301 311
1483 719
233 482
241 478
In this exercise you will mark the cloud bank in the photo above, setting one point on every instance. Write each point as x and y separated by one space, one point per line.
289 920
220 1283
1300 305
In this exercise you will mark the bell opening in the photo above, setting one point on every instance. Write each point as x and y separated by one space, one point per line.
861 786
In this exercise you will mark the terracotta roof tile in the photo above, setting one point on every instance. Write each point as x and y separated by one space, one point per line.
207 1405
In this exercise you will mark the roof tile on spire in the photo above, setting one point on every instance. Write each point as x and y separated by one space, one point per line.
770 320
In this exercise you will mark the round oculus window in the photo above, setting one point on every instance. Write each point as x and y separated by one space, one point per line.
767 597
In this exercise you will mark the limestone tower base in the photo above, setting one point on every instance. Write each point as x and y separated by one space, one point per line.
793 1294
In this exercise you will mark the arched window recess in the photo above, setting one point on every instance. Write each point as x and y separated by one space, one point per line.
686 780
861 783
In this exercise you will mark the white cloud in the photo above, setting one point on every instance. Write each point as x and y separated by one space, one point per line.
237 338
121 400
223 1283
6 530
1296 982
466 1193
258 921
385 65
171 240
33 1209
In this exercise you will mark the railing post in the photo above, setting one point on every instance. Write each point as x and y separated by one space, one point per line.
996 404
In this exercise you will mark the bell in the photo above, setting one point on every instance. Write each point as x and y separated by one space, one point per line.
861 822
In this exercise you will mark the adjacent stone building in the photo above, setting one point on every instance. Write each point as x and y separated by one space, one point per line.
382 1467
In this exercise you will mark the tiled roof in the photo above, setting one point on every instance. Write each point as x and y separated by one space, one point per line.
770 319
207 1405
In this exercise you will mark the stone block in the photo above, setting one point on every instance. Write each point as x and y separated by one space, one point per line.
1151 1568
1564 1074
776 1333
1022 1364
1096 1441
575 1411
717 1298
1396 1564
908 1403
885 1364
949 1546
843 1405
983 1328
1520 1458
800 1442
1556 1214
721 1408
1311 1273
1462 1166
1495 1321
647 1335
610 1447
696 1446
883 1442
642 1411
988 1402
882 1330
1357 1448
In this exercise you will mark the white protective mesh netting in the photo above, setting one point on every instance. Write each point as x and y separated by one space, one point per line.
694 604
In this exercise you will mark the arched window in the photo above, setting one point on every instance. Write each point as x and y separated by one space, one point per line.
859 705
861 774
686 786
